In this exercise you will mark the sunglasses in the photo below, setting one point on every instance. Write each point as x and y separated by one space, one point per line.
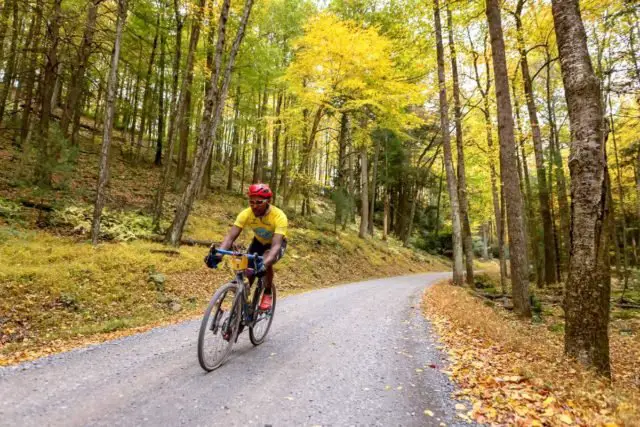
258 202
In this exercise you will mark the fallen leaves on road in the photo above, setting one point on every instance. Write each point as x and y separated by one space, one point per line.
513 372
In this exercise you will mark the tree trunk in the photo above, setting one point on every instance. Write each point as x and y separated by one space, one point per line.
214 104
147 91
437 228
543 192
412 213
588 285
341 180
43 166
9 71
497 209
485 245
184 125
33 46
284 179
304 168
351 172
364 192
385 219
448 157
4 23
176 73
462 181
112 87
76 86
235 140
158 158
523 173
561 187
136 96
275 160
184 104
374 184
264 158
508 167
20 60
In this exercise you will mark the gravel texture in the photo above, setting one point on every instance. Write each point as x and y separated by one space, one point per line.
358 354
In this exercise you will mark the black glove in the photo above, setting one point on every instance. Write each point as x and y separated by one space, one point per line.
261 270
212 259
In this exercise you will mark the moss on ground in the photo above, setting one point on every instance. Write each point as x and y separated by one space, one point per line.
58 292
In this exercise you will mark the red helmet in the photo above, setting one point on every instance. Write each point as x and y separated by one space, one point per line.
260 190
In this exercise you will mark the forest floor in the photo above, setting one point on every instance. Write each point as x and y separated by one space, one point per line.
514 372
59 292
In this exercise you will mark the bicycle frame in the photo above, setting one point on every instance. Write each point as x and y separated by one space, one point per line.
246 310
241 313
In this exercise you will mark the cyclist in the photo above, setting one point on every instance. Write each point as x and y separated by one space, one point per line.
269 225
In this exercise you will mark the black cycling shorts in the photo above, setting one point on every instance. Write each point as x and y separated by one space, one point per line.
261 248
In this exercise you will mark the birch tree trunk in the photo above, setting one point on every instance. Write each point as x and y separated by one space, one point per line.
508 168
543 190
214 105
462 180
112 87
452 185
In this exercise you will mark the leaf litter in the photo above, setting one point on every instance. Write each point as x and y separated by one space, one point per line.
513 372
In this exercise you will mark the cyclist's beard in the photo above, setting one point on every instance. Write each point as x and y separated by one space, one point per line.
259 211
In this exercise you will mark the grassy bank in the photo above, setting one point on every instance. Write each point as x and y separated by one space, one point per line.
59 292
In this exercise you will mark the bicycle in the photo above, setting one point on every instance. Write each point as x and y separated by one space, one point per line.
230 311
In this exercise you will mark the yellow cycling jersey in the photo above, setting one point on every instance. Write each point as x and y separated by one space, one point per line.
273 222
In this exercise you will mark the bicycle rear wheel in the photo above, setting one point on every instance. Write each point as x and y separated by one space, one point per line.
262 324
219 326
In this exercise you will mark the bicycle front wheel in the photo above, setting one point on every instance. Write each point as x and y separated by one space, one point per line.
262 320
219 327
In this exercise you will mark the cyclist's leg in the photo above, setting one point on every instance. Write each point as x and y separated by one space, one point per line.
270 273
256 248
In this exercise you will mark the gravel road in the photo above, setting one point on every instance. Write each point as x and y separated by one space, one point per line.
357 354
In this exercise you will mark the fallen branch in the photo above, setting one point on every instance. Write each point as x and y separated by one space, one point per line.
492 296
36 205
628 306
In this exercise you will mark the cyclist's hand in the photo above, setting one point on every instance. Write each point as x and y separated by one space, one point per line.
261 270
212 259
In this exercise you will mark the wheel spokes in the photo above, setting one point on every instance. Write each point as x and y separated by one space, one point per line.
217 340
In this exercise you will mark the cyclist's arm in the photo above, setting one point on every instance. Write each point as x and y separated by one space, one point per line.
276 244
231 237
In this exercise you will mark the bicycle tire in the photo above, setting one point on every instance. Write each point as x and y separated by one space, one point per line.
255 339
204 326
